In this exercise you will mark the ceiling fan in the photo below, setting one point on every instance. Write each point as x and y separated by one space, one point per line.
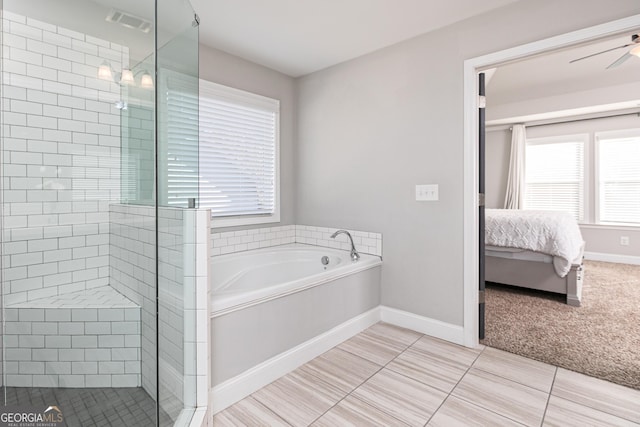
635 41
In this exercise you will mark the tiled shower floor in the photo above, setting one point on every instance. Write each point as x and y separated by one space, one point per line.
389 376
93 407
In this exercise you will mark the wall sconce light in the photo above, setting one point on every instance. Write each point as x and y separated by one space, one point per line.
126 77
146 81
104 71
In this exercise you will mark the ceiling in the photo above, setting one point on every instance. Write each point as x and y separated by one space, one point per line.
552 74
297 37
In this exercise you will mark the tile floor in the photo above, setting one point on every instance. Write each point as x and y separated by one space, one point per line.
389 376
93 407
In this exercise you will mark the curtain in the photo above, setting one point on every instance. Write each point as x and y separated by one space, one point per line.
515 183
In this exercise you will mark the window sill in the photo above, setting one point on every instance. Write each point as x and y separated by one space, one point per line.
610 227
240 221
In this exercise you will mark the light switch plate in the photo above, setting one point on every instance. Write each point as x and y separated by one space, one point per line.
426 192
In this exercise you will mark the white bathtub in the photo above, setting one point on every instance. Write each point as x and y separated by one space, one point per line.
247 278
274 309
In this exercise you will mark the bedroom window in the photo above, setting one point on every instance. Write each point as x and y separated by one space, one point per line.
618 177
239 150
554 177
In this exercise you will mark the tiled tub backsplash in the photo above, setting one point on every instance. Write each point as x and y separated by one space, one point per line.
244 240
365 242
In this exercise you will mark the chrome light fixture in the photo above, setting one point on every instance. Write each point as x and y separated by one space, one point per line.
126 77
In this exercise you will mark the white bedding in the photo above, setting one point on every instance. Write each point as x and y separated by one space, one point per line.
548 232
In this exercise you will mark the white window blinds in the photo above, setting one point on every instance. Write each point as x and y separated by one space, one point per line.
619 180
554 175
180 137
238 155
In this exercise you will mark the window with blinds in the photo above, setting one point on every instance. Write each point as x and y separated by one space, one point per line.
618 170
178 139
238 156
554 175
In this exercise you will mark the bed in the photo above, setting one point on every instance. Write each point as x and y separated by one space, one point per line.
540 250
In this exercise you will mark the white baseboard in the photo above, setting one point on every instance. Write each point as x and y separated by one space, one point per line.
425 325
620 259
237 388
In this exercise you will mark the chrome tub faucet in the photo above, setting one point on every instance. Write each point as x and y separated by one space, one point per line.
355 256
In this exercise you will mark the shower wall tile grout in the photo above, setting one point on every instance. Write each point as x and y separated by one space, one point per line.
61 156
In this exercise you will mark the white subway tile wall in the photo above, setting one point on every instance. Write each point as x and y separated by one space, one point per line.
244 240
132 273
61 159
60 345
171 298
201 309
183 250
365 242
181 382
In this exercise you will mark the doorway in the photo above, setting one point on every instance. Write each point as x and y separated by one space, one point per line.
471 169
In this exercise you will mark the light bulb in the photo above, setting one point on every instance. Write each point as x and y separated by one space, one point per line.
104 72
127 77
146 81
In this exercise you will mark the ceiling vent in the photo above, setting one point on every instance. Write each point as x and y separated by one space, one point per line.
128 20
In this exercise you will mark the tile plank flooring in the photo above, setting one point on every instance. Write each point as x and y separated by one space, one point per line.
389 376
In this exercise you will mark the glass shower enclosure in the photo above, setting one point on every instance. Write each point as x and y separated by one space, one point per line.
96 318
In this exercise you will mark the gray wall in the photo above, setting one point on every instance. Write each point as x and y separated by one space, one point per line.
498 150
601 239
229 70
371 128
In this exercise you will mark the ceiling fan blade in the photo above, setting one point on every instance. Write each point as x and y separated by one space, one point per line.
620 60
599 53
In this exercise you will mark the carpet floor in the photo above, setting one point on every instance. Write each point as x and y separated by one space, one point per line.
601 338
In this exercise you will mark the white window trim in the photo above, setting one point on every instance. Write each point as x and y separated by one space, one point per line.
608 226
597 136
250 99
586 177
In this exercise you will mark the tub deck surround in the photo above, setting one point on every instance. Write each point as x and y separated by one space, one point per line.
246 240
247 278
85 339
274 308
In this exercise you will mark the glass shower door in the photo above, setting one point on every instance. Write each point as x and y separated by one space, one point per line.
76 266
99 108
177 184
